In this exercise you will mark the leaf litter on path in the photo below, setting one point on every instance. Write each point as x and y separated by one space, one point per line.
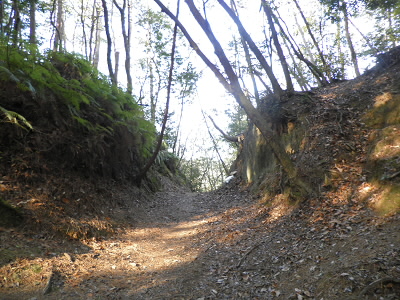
213 247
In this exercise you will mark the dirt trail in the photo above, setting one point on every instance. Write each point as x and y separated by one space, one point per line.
225 245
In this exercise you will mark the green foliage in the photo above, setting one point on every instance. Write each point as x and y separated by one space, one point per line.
71 92
194 174
187 79
15 118
238 121
386 34
203 173
352 7
382 10
167 162
156 64
381 4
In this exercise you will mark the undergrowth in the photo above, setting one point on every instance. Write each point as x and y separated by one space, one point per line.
71 113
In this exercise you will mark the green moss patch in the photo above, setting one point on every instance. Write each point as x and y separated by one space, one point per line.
389 202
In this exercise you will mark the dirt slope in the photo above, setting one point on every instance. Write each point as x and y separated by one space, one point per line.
221 245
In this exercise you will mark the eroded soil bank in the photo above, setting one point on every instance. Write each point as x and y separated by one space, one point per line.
220 245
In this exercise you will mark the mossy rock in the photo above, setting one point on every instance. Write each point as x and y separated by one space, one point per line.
9 216
389 200
386 111
384 153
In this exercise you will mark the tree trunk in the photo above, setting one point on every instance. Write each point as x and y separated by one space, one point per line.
32 22
126 35
59 39
178 129
341 57
275 85
2 33
316 45
391 30
92 32
248 60
15 34
97 40
307 48
349 41
298 73
109 43
84 35
282 59
153 101
116 65
318 74
128 50
366 39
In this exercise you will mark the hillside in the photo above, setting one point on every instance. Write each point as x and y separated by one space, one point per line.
84 230
341 137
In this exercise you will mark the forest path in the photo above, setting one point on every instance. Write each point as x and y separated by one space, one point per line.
226 245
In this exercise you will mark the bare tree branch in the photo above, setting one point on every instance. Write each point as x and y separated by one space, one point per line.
229 138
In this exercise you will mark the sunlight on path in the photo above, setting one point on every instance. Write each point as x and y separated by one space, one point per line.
163 247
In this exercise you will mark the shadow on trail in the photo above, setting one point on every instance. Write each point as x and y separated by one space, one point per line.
169 236
226 246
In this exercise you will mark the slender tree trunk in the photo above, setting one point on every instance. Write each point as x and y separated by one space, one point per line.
128 50
59 40
2 33
282 59
248 61
341 57
109 43
16 19
298 73
178 129
32 22
153 102
349 41
316 45
215 145
391 30
262 122
251 70
96 50
275 85
151 161
84 36
92 31
318 74
116 66
366 39
307 48
126 35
